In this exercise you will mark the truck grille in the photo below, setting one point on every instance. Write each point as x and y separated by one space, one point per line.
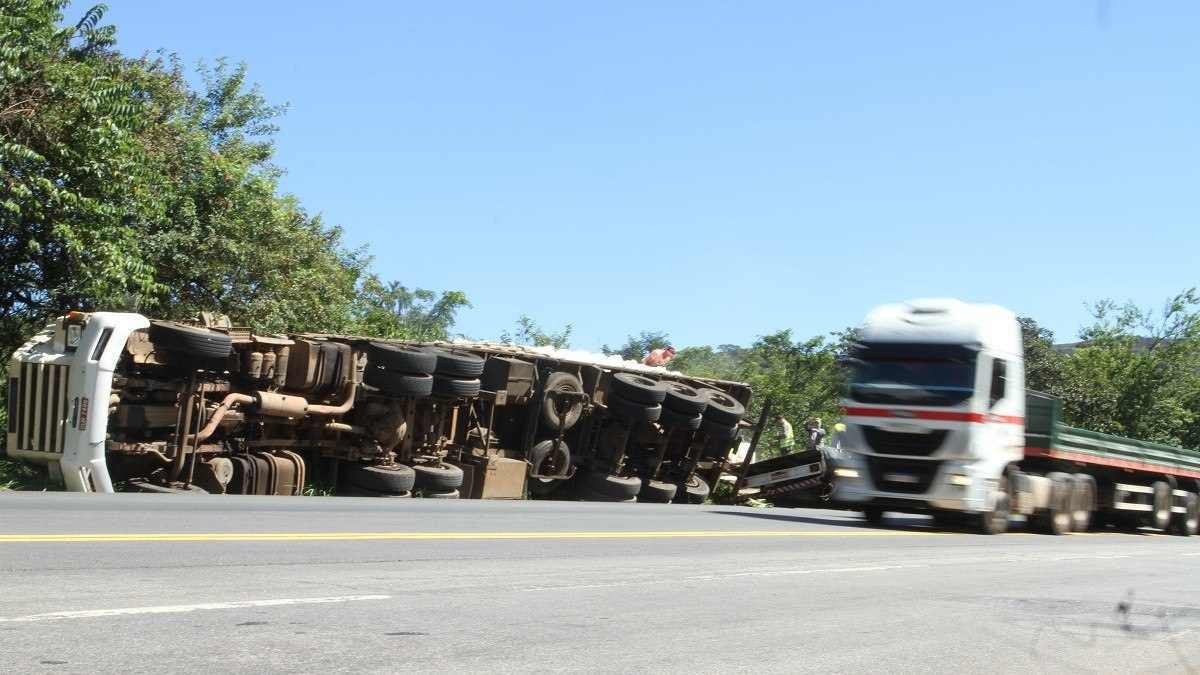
902 475
898 443
38 406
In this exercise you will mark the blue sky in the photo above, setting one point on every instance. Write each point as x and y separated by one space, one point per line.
724 170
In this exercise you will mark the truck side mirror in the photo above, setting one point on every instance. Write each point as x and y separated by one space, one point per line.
999 381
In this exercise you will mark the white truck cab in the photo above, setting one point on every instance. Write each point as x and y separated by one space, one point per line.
59 384
935 409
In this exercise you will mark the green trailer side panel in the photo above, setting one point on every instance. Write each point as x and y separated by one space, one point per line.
1044 430
1042 413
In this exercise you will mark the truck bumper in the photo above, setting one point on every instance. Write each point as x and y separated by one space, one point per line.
955 486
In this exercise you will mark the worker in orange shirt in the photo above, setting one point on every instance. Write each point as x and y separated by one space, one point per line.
659 357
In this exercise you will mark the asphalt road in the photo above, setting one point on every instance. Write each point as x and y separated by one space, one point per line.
153 583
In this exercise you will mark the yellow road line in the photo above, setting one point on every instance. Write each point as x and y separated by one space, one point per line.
444 536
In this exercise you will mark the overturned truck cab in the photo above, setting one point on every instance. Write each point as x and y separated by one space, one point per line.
115 401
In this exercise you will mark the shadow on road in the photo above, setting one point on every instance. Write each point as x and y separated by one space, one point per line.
893 522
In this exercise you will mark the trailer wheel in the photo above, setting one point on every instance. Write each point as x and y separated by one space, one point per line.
1160 517
636 388
1083 501
996 520
609 486
632 411
384 478
722 408
190 340
719 431
656 492
683 399
560 459
356 491
1056 519
671 419
457 364
400 358
438 477
455 388
443 494
696 490
1185 524
565 382
416 385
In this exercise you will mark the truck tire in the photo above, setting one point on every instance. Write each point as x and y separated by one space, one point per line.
695 490
356 491
996 520
636 388
589 496
439 477
719 431
873 515
444 494
1160 517
1185 524
190 340
632 411
610 486
722 408
457 364
455 388
400 358
1083 502
683 399
656 492
565 382
416 385
384 478
1055 519
545 450
677 420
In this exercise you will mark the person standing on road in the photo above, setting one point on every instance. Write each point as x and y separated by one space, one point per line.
659 357
787 437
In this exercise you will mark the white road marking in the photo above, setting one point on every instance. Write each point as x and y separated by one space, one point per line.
1189 554
776 573
178 609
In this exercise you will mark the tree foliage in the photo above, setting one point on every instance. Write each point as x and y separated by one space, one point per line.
121 187
637 347
528 332
391 310
1136 372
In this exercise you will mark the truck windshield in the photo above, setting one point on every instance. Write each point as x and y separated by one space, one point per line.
885 376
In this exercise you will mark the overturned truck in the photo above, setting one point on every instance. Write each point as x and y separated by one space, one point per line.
114 401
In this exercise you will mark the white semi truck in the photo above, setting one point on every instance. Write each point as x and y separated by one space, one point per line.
939 422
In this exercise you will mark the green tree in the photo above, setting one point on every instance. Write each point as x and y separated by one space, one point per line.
121 187
390 310
637 347
802 379
528 332
1043 364
1136 372
724 362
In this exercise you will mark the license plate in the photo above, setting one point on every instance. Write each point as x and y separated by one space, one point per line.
900 478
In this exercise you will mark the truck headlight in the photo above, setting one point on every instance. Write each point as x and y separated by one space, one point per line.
843 472
959 479
74 335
